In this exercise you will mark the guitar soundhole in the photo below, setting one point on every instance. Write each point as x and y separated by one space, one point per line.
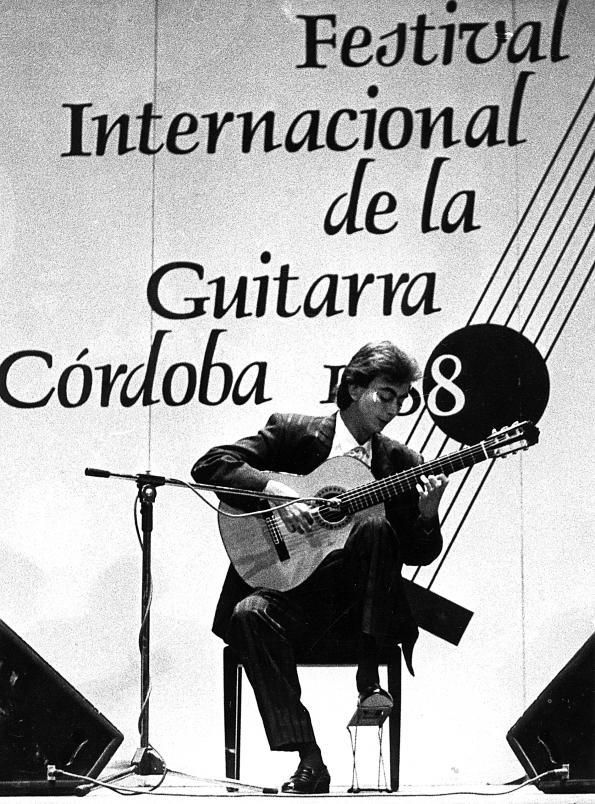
331 516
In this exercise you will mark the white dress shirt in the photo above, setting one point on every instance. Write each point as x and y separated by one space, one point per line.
344 443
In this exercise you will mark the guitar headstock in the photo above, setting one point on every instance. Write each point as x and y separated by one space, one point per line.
520 435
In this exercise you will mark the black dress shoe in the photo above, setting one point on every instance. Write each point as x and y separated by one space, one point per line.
308 780
374 697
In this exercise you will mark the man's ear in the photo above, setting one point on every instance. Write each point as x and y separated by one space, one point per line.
355 391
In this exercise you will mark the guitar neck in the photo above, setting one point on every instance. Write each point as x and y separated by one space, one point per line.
379 491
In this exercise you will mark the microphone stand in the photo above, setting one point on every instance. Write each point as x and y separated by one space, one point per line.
146 760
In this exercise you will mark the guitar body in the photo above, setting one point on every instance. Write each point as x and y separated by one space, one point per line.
266 554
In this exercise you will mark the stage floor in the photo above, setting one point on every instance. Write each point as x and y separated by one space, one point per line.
177 787
181 790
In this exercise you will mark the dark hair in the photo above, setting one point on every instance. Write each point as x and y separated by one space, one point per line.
382 358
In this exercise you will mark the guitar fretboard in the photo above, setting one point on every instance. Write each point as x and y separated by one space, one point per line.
378 491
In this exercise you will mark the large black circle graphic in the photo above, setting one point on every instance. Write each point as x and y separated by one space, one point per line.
484 377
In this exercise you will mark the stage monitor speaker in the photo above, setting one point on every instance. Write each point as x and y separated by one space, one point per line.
559 727
45 721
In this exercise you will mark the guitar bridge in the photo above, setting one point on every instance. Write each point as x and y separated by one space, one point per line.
274 532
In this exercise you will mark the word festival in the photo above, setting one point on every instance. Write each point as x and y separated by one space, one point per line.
346 128
374 127
387 128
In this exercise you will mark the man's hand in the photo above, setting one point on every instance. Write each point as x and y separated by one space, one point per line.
296 517
430 488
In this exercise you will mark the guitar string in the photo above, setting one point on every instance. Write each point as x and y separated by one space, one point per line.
546 247
544 325
375 490
460 525
517 230
463 482
556 337
387 485
517 266
574 303
537 263
390 483
556 301
488 469
404 481
543 216
257 513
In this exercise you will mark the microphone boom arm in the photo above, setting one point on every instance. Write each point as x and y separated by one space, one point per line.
158 480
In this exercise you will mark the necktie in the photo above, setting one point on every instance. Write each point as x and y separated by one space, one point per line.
360 453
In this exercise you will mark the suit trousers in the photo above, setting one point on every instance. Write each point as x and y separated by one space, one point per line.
356 594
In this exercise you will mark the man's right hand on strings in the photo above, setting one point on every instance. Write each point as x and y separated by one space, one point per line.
296 517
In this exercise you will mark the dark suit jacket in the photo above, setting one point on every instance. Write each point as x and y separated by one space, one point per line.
298 444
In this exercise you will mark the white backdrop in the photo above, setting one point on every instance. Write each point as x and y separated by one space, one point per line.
80 237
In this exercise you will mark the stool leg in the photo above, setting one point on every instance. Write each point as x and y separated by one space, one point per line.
394 719
232 703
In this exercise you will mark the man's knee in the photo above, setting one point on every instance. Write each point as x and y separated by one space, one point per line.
263 617
244 622
248 610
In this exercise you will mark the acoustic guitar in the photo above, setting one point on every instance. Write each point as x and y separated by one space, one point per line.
266 554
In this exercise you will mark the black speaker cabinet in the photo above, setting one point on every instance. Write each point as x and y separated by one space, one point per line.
559 727
45 721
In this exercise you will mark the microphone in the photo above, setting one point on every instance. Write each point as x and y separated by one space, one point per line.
97 473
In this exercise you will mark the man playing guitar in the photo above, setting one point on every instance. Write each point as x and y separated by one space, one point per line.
354 591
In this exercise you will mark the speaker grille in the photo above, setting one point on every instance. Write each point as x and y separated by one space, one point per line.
44 720
559 726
